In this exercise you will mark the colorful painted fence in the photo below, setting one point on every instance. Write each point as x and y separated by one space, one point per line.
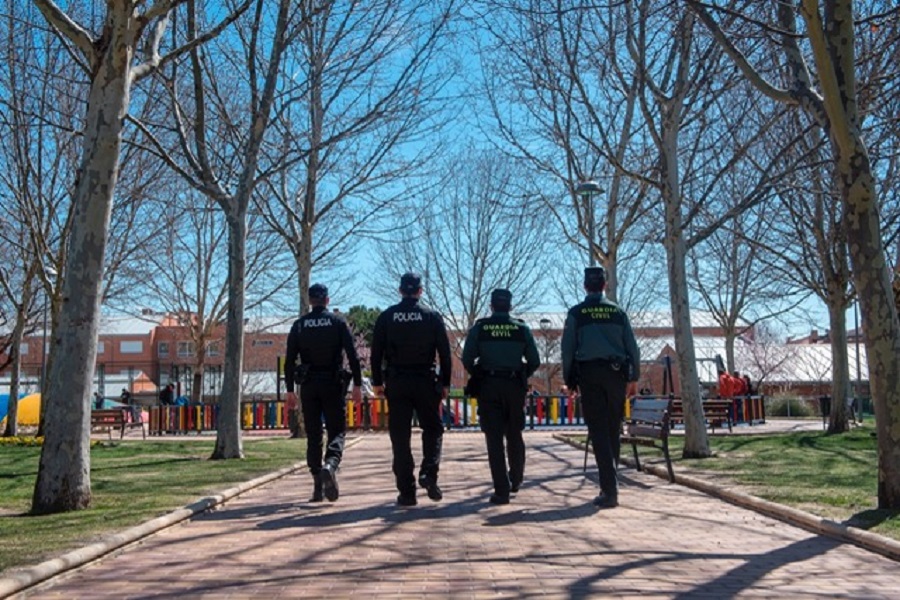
457 412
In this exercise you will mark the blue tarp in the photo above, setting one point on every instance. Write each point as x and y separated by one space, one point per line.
4 404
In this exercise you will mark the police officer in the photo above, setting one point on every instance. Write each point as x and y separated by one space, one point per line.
501 354
405 340
320 338
600 356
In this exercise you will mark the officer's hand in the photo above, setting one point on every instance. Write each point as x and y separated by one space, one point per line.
290 400
445 392
356 394
378 390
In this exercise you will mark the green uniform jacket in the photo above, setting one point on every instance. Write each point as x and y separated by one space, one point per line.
598 329
500 342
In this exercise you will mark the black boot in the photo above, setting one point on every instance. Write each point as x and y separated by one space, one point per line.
328 479
317 490
429 482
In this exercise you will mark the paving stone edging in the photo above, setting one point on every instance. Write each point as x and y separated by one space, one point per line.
873 542
30 576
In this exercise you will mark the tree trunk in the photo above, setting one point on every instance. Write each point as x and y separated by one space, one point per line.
63 480
199 366
228 434
197 384
840 369
880 323
304 265
12 413
729 350
696 444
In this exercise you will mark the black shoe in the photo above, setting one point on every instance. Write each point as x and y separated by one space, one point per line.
606 501
406 499
430 484
317 490
514 488
328 477
497 499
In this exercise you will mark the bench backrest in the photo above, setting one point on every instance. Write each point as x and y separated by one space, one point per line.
108 415
709 406
649 409
649 418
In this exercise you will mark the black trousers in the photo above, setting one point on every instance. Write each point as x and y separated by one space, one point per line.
603 403
326 398
407 394
501 412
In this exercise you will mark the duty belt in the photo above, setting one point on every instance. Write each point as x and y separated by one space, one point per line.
410 371
501 373
613 363
329 374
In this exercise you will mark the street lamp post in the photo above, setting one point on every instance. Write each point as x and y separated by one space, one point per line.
586 190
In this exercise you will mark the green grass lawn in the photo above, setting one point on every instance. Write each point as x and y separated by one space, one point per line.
131 482
833 476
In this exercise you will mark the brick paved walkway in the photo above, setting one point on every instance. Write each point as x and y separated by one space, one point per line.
663 541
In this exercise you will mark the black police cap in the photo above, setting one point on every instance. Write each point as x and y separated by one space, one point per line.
410 282
501 296
594 277
318 291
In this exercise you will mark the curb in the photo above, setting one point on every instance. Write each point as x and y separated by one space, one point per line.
867 540
30 576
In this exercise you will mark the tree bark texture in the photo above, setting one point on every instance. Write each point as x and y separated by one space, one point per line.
832 38
63 481
228 433
12 413
696 443
840 369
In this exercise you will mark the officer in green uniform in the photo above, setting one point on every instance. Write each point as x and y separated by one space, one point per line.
500 354
600 356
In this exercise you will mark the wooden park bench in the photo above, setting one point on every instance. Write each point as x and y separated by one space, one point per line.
648 425
716 412
114 418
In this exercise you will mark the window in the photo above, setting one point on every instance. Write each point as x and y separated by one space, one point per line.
163 349
185 349
263 343
100 347
23 349
131 347
212 349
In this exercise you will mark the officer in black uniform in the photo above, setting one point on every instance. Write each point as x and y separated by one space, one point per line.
405 340
600 356
500 354
320 338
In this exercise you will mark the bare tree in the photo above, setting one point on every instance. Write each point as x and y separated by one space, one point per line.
820 59
220 127
38 158
472 238
365 107
732 273
111 61
184 272
575 118
767 355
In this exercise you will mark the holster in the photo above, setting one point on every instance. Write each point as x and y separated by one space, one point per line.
301 373
473 386
345 377
572 380
294 423
438 387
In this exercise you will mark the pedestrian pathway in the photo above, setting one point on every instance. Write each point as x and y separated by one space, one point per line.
663 541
